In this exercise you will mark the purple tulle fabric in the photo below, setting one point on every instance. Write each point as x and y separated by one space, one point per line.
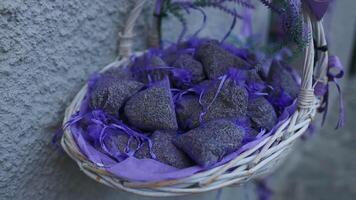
130 168
93 130
147 170
318 7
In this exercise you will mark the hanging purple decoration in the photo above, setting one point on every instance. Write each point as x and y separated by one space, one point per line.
318 7
335 72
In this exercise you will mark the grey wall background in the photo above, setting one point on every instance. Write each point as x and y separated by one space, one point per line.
47 50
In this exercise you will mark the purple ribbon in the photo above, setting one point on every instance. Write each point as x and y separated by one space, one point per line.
318 7
335 72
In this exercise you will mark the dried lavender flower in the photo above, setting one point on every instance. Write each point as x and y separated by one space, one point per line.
147 69
164 150
216 61
188 111
208 143
110 93
121 141
186 61
228 102
281 79
152 109
262 113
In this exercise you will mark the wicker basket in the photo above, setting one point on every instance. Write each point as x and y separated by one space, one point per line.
258 161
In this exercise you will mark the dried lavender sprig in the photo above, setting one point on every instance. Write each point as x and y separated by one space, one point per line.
271 6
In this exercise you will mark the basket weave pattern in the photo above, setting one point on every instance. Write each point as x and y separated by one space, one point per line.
258 161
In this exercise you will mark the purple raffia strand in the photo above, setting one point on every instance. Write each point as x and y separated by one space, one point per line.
200 102
236 76
179 95
135 134
230 29
322 89
198 90
205 110
116 124
101 140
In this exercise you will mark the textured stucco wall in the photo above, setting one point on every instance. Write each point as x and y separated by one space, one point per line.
47 49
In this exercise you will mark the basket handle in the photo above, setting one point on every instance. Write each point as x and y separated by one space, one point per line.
313 70
126 37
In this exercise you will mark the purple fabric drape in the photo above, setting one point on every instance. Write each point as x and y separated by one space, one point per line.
318 7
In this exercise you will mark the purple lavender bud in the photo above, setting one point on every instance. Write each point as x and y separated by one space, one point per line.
262 113
149 69
230 102
188 111
143 152
186 61
208 143
216 61
121 141
124 145
164 150
169 59
245 123
281 79
152 109
109 93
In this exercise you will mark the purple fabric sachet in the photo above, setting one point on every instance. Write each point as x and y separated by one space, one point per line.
318 7
152 109
207 144
110 93
181 110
